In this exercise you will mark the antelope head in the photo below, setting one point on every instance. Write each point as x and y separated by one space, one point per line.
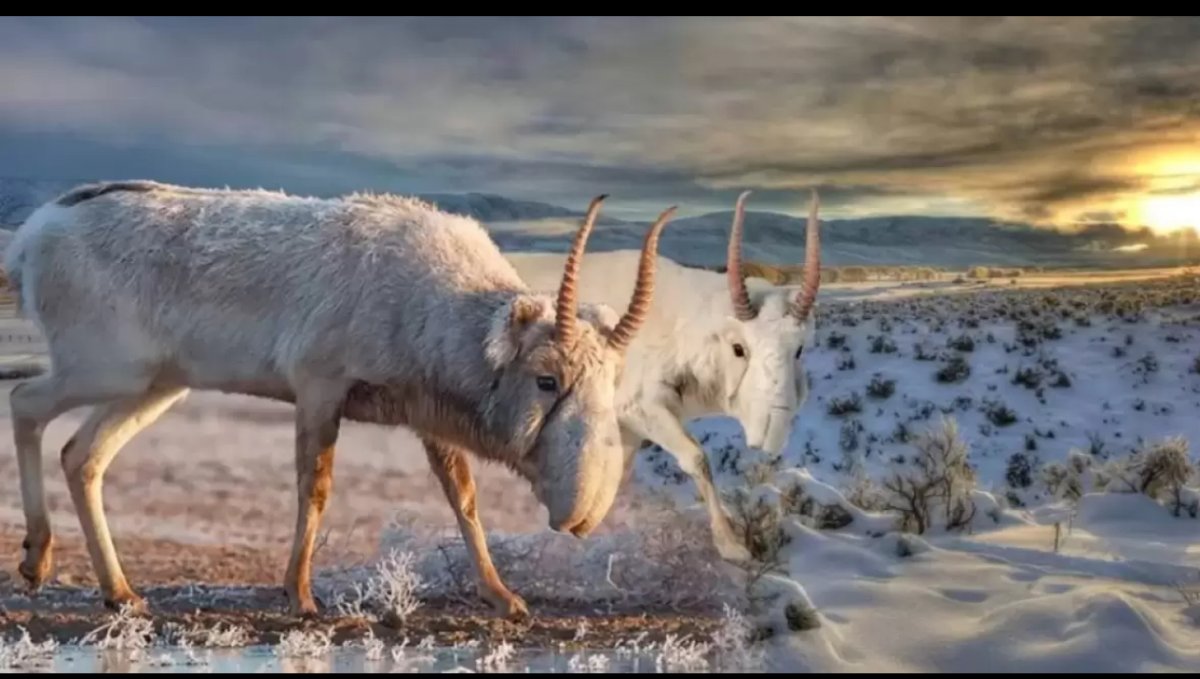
558 363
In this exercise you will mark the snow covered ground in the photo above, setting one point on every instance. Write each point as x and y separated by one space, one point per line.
983 603
1028 376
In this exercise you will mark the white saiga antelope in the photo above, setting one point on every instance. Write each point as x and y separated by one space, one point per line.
711 345
366 308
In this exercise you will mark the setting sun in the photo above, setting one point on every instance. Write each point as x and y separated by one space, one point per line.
1175 204
1168 213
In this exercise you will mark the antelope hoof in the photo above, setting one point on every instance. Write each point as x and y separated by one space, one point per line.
305 609
36 565
136 604
512 607
733 552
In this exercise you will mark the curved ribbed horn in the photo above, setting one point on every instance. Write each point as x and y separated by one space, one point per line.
733 264
565 310
643 292
803 303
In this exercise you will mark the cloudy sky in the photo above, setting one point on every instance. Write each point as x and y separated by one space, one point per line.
1033 119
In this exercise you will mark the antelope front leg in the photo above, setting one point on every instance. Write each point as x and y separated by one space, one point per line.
318 419
34 405
665 430
38 561
86 457
451 467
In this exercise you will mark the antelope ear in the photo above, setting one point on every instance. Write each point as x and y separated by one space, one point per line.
509 323
604 317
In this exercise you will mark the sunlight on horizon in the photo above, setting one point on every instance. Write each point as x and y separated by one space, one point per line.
1171 213
1175 207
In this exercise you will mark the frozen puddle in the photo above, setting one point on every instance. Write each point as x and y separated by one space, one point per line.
264 659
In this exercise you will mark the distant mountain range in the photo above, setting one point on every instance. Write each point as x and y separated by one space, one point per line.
777 238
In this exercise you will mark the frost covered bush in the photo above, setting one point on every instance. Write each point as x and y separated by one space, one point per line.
1160 471
24 655
882 344
304 651
998 413
217 636
755 514
780 604
777 602
840 407
1028 376
1074 478
933 486
733 644
1146 366
963 343
881 387
862 492
1019 473
304 644
923 352
125 631
390 594
1021 476
955 370
667 559
814 503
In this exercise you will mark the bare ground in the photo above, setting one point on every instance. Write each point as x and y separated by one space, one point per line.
259 611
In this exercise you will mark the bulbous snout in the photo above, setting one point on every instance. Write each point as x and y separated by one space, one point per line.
579 529
779 426
770 424
578 490
773 427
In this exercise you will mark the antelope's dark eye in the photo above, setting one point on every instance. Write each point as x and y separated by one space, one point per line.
739 351
799 350
546 383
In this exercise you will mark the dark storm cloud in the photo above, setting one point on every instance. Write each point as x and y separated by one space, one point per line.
1072 187
1014 116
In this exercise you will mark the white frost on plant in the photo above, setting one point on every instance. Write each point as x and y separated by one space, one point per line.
582 663
666 559
734 646
304 644
391 592
680 654
497 659
220 635
24 654
404 660
126 631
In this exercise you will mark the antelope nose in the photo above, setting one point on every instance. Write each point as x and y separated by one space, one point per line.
570 527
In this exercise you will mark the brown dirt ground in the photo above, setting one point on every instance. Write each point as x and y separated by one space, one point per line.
167 572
